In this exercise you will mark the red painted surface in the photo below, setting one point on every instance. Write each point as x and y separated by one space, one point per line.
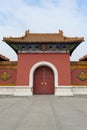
43 81
60 61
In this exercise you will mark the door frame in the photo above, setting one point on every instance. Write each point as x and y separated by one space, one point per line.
43 63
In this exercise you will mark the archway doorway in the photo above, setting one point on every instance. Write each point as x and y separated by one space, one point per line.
43 80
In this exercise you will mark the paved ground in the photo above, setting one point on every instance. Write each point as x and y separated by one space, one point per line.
43 113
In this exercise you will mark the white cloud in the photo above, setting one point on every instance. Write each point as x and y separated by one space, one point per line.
44 16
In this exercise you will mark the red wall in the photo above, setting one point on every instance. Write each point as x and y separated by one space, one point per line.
60 61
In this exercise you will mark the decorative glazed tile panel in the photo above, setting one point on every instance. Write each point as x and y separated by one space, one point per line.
5 76
82 76
79 76
8 76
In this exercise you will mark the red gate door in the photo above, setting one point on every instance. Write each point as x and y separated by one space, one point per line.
43 81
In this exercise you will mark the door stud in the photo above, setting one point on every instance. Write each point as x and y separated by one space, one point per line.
45 83
41 83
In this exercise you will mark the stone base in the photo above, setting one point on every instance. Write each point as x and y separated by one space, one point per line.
15 90
79 90
27 91
63 91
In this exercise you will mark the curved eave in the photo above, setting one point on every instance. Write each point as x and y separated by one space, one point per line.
77 43
64 40
74 48
3 58
12 46
84 58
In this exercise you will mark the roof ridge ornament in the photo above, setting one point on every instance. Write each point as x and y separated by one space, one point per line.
27 32
60 32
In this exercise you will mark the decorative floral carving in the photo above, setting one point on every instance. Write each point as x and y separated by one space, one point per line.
82 76
5 76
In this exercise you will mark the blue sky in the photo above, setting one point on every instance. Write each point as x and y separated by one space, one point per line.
43 16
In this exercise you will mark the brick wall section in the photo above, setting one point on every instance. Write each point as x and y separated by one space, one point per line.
8 73
79 73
